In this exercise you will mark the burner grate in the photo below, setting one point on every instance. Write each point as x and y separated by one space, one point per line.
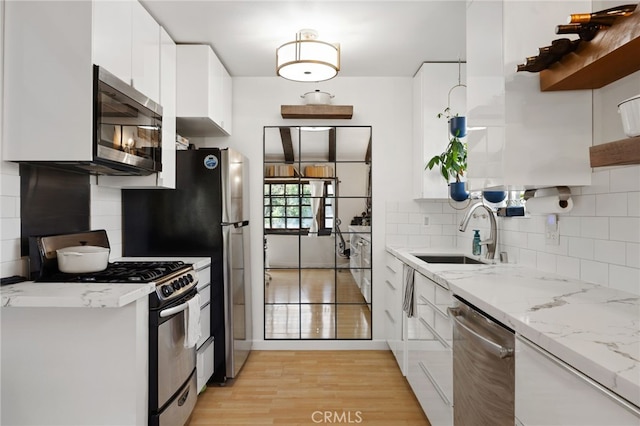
122 272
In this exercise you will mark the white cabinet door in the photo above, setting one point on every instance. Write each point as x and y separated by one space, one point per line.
394 316
522 137
431 87
201 106
227 101
112 34
168 69
145 52
550 392
48 81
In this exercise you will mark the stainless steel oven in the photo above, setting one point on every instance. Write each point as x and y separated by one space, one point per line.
172 367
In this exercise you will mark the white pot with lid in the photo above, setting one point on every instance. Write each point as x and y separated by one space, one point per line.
83 259
317 98
629 111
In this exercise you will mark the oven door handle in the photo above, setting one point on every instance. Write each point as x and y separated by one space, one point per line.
168 312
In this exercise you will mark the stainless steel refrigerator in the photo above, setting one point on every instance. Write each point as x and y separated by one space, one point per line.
205 216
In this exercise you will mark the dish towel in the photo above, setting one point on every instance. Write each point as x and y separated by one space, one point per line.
192 322
407 305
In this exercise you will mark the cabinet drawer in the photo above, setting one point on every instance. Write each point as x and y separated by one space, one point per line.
430 395
423 287
443 298
205 325
550 392
393 267
204 364
204 276
205 295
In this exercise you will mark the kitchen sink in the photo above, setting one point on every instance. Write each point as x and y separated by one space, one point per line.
459 259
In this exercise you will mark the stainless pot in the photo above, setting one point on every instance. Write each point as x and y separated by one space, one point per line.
82 259
317 98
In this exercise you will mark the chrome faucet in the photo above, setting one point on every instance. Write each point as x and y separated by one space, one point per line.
492 241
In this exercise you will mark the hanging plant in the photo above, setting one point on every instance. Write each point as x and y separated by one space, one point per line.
453 161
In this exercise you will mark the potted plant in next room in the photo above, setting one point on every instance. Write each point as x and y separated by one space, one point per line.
453 161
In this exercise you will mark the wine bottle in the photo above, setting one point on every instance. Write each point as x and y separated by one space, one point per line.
537 63
606 17
586 32
560 47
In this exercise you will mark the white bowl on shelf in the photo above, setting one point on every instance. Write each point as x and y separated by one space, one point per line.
629 111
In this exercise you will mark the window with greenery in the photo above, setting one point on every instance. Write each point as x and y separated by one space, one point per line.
287 207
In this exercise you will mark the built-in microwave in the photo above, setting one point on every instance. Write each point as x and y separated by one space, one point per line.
127 128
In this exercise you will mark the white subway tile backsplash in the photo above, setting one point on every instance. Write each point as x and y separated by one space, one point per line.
594 272
408 229
633 255
568 267
9 229
528 258
610 252
409 206
624 278
569 226
582 248
611 204
10 185
430 207
599 183
595 227
397 217
9 207
584 205
418 241
625 179
625 229
546 262
633 204
443 241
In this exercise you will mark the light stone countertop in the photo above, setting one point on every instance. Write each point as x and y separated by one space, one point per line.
31 294
594 329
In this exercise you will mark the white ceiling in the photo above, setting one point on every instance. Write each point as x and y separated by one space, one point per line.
377 38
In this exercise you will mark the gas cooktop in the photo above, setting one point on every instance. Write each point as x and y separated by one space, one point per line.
134 272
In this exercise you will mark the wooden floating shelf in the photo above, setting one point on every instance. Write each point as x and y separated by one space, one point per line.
618 153
317 111
614 53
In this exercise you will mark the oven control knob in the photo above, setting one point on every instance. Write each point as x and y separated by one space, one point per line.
190 278
167 290
181 282
176 285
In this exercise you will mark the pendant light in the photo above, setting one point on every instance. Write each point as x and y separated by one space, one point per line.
308 59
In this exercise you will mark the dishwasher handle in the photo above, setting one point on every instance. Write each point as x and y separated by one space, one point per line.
492 347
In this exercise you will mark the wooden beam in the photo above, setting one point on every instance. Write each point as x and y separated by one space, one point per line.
287 144
317 111
622 152
332 144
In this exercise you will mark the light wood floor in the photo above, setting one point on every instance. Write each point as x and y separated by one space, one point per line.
315 304
313 387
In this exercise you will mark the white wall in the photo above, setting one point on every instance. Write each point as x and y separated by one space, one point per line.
599 238
384 104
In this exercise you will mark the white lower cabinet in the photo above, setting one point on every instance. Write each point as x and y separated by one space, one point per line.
430 358
394 317
204 347
550 392
204 365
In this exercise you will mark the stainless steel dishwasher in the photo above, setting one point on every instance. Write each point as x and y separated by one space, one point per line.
483 368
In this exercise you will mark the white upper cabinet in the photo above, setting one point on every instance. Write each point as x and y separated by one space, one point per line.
112 37
126 42
435 87
520 136
145 52
204 92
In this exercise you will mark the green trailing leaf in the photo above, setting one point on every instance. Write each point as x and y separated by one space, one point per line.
453 161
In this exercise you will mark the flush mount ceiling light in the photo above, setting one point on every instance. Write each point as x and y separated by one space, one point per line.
308 59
